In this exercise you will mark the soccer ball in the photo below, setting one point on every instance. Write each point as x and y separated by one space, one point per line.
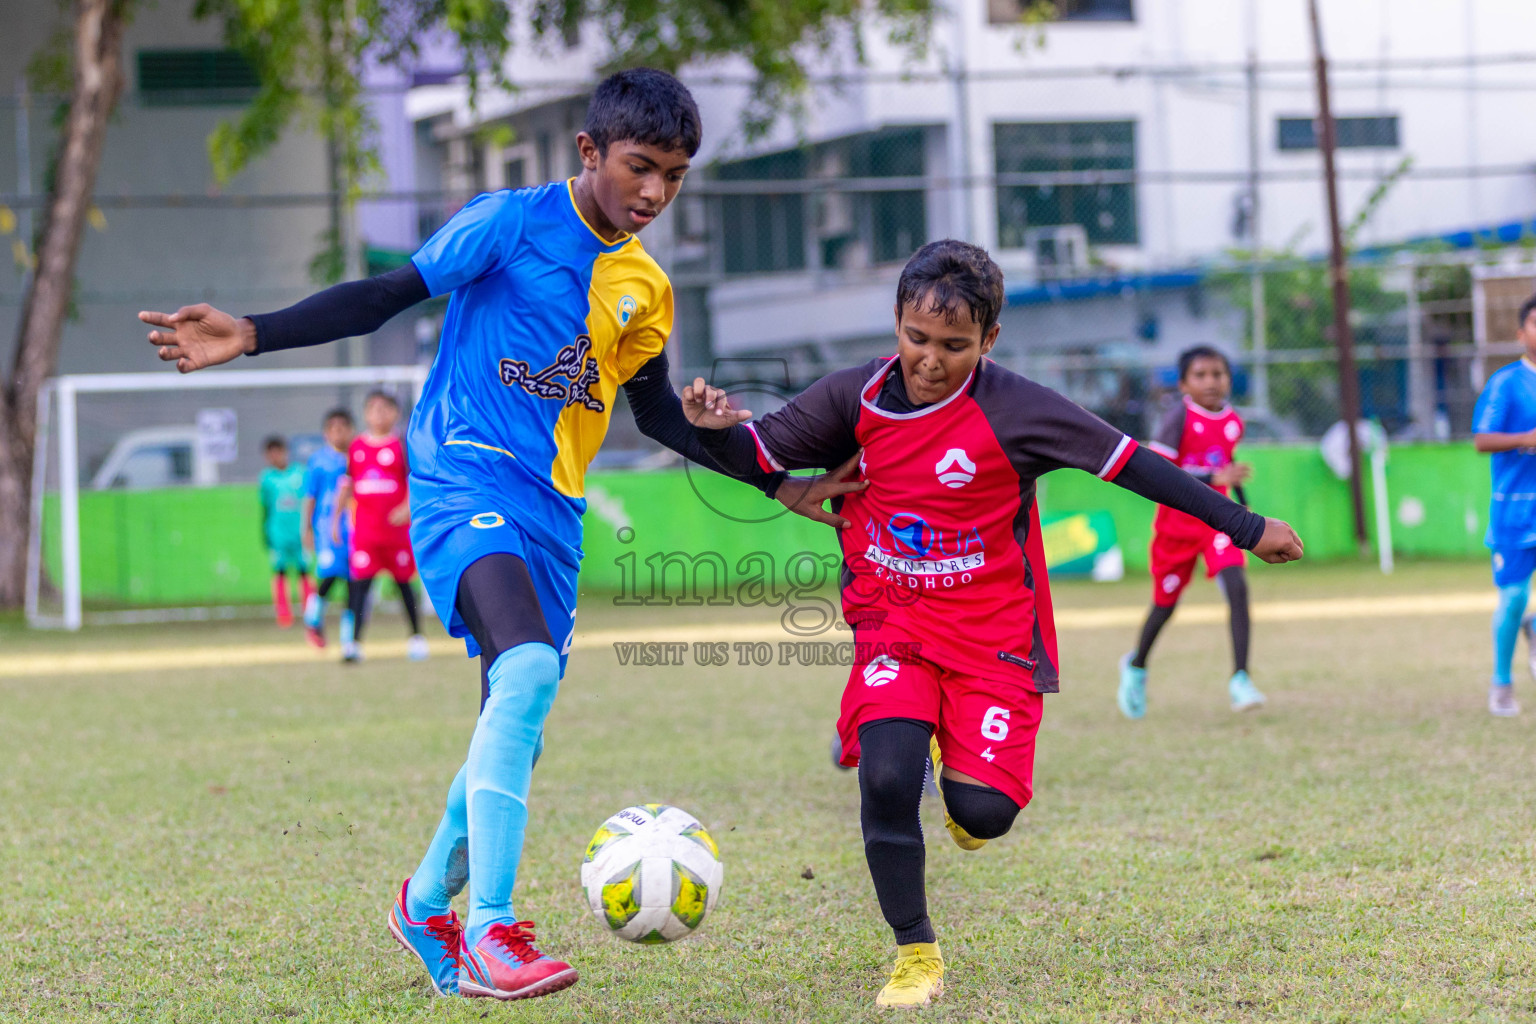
651 873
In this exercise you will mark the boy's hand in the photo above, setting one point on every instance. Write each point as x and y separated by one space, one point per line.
804 495
708 408
400 515
1232 474
196 337
1279 543
307 536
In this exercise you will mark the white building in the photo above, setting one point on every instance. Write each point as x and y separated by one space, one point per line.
1114 145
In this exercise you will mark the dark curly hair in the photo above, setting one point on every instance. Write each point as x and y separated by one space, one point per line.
646 105
954 278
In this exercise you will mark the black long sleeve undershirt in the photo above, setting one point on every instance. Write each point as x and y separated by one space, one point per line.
1146 473
346 310
659 415
356 308
1155 478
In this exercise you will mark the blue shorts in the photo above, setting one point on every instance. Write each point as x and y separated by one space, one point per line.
330 560
1513 566
453 529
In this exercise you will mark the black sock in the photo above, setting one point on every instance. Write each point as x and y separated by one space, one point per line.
357 603
1157 618
408 598
984 812
325 586
1234 584
893 762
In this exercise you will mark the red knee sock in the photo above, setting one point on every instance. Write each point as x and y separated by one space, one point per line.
280 600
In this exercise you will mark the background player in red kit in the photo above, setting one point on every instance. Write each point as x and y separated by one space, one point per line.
1200 435
376 483
944 578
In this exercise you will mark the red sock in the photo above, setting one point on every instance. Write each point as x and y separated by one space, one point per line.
307 588
280 601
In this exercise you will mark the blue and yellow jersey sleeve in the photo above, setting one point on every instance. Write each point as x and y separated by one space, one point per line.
479 240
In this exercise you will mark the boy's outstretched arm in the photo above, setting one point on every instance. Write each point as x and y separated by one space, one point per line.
660 416
196 337
1155 478
806 433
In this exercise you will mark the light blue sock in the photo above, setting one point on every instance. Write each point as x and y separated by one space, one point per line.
348 626
1507 618
314 611
523 682
445 868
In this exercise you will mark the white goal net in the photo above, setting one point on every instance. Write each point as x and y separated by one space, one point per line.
144 502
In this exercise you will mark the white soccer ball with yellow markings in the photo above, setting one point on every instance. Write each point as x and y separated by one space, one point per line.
651 873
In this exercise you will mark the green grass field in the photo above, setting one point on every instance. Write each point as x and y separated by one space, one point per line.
223 844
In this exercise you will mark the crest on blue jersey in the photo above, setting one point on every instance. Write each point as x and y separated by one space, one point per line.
626 309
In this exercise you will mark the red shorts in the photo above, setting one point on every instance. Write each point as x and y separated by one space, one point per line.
371 557
1173 561
986 726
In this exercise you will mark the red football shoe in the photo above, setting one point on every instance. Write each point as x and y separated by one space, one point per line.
505 965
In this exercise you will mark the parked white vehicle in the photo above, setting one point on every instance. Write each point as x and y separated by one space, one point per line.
156 457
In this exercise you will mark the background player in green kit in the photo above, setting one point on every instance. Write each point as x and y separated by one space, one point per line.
282 497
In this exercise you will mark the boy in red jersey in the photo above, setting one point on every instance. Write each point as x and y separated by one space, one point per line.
1200 435
376 484
944 578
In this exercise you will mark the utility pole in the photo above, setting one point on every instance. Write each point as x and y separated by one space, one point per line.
1258 391
1338 271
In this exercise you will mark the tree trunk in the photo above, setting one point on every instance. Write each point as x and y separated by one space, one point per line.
98 81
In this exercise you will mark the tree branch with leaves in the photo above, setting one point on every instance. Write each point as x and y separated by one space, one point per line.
311 57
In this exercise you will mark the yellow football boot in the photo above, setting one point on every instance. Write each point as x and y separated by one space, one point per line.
916 980
962 838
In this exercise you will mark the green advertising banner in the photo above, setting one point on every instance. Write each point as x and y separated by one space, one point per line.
691 534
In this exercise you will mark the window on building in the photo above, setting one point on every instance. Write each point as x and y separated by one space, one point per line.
1374 132
514 173
893 224
1008 12
1107 212
766 231
763 232
195 77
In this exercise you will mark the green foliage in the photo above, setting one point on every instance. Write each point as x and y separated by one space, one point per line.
1298 315
775 37
311 55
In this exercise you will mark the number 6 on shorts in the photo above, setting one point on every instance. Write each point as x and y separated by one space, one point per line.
994 724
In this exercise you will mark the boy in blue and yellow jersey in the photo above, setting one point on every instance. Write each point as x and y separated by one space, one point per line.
1504 426
553 306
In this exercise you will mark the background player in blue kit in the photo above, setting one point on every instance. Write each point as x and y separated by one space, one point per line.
1504 426
554 305
325 533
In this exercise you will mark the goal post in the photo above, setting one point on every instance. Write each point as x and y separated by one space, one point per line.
273 401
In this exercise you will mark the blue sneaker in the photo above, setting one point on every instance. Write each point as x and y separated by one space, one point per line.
436 942
1245 696
1132 696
